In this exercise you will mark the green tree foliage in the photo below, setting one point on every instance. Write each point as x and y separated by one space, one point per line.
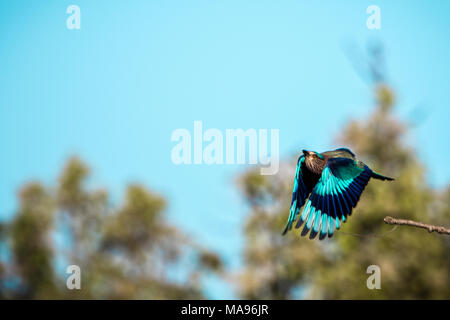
414 264
126 252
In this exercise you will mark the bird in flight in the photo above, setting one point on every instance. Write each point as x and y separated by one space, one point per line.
328 186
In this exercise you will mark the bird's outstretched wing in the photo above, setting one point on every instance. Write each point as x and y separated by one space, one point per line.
300 193
340 153
335 194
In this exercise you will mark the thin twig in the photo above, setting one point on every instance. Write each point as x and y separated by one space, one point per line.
429 227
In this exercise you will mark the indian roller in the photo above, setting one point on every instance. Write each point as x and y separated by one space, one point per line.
328 186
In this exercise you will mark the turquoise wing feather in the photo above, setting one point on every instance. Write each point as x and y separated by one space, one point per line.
334 196
299 194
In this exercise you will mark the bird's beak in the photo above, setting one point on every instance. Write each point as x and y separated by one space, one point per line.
305 152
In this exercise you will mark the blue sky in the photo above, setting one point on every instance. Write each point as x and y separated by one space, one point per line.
114 91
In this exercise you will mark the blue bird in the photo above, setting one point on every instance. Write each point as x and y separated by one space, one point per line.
328 186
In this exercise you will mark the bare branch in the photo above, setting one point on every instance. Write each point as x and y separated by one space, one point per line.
429 227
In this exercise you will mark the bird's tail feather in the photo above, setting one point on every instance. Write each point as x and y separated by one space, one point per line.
380 177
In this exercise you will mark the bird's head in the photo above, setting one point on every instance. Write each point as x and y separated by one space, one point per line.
313 155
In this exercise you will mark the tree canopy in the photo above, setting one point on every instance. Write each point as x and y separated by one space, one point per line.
414 264
125 252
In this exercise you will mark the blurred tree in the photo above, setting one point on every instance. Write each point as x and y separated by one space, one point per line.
124 253
31 242
2 264
414 264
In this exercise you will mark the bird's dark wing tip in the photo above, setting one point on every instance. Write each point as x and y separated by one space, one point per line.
322 236
299 223
312 235
304 232
287 228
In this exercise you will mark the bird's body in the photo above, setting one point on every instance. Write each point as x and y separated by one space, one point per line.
328 186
